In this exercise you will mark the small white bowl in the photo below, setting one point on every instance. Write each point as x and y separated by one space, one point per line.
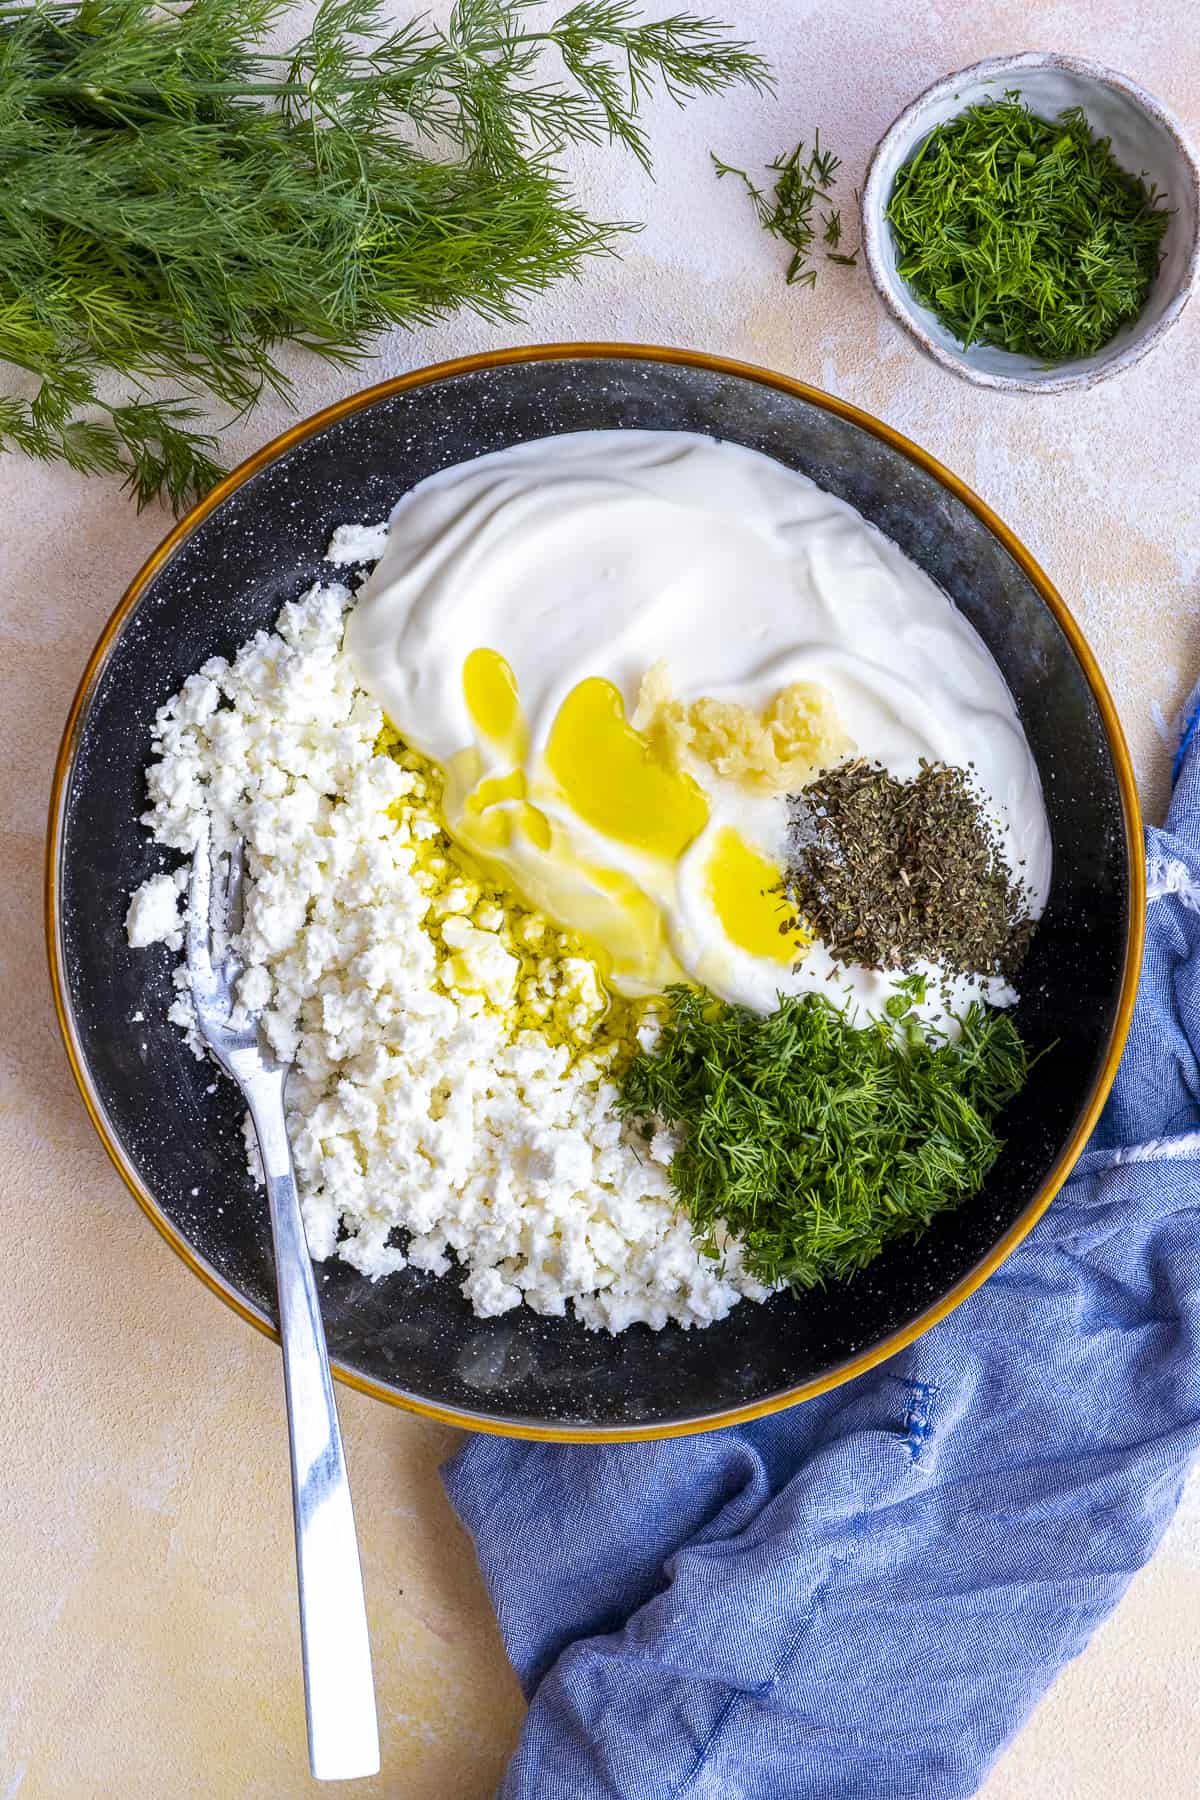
1146 140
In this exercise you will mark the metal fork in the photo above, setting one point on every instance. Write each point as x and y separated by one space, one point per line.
343 1733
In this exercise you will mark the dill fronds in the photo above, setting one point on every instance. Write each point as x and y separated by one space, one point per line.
817 1143
175 201
786 212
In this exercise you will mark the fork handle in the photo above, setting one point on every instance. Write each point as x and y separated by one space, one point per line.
339 1693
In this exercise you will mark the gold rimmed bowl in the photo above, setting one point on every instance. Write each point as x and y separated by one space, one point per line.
173 1129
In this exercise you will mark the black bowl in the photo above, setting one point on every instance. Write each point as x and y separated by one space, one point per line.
258 541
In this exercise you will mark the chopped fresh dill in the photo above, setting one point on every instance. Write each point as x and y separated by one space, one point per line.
786 212
832 236
817 1143
177 200
1024 233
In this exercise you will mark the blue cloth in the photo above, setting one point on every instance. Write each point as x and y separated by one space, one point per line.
863 1597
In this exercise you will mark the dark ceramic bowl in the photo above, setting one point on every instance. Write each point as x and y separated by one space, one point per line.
258 541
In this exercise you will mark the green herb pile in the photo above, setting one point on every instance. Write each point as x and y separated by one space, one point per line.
817 1143
889 873
787 211
1025 234
175 200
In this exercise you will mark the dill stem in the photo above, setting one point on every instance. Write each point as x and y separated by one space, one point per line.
207 90
240 90
480 48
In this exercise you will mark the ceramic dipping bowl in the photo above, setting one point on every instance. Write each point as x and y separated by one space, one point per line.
1146 141
172 1125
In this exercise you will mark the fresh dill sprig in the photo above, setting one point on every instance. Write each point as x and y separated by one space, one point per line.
1025 233
176 201
786 212
155 444
817 1143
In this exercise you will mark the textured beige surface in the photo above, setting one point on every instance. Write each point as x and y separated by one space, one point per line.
147 1632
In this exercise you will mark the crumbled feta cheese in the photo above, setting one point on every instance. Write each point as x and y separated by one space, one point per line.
357 544
480 964
450 1100
153 916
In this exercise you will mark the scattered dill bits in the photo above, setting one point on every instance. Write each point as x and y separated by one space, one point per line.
889 873
817 1143
179 200
787 211
1025 234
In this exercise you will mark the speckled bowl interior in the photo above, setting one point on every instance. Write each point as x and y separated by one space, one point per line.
1146 141
174 1128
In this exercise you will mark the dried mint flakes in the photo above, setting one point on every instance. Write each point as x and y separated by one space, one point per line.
889 873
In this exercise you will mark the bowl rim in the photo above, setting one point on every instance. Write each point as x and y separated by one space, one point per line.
463 1417
873 209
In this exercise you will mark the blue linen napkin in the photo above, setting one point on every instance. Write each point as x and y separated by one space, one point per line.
863 1597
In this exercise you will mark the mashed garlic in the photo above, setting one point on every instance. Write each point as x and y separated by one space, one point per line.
452 1081
773 751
